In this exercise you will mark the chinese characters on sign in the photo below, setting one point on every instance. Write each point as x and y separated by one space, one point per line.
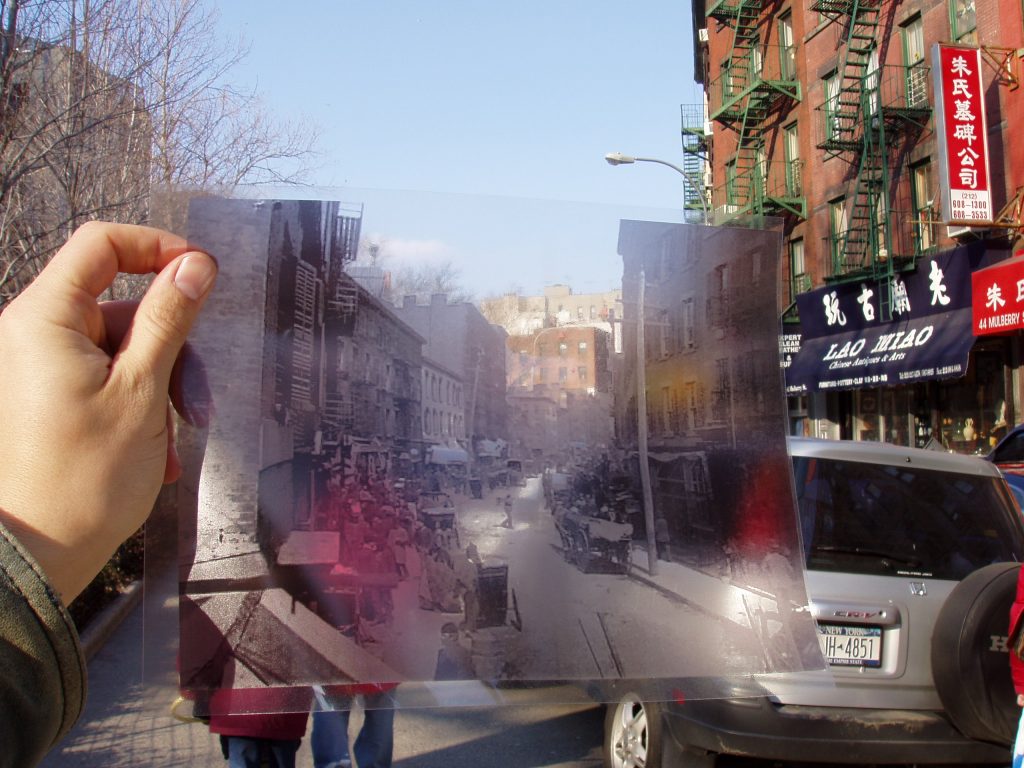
850 339
961 128
998 297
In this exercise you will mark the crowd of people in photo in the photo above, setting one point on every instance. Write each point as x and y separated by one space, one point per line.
383 541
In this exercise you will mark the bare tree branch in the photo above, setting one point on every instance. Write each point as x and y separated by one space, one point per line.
122 110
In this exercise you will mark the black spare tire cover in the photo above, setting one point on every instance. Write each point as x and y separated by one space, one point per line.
970 661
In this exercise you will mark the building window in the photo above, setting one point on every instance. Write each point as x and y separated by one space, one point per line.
593 312
799 280
543 375
721 396
666 409
582 371
697 482
787 49
924 227
663 334
689 337
871 82
563 349
563 374
794 182
718 307
837 232
832 105
692 417
963 21
730 182
582 348
727 81
916 72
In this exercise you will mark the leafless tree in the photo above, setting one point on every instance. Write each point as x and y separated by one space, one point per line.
121 110
424 280
503 309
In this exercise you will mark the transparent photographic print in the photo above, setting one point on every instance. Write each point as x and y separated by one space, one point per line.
571 466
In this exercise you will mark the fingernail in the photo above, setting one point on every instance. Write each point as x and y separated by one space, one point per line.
195 275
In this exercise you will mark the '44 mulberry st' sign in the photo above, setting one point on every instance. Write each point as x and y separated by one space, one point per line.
998 297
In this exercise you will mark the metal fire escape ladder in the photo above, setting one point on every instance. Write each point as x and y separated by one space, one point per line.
747 58
743 99
695 160
748 97
847 104
856 124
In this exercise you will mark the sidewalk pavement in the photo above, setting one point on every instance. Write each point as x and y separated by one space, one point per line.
132 683
718 596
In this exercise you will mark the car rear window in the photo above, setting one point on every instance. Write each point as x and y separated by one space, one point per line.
887 520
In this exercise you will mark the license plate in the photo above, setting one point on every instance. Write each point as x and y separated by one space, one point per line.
848 646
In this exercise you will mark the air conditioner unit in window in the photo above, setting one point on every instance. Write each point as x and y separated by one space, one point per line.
962 231
959 231
702 34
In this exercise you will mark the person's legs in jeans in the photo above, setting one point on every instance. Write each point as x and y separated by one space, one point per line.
284 751
375 743
329 740
243 752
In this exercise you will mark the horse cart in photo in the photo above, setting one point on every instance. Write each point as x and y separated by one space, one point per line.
595 543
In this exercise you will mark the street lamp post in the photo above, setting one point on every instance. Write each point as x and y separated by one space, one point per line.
617 158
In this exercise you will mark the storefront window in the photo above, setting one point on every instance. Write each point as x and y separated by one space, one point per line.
973 410
967 415
896 417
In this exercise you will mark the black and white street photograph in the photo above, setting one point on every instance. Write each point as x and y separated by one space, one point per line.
408 486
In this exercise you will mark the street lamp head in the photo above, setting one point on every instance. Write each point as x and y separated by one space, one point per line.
617 158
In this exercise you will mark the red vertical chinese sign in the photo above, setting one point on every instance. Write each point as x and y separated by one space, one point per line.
962 134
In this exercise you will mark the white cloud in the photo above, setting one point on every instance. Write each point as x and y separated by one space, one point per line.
397 251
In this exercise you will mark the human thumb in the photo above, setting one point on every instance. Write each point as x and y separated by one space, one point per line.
165 317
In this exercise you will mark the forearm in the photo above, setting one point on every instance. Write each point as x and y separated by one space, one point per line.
43 683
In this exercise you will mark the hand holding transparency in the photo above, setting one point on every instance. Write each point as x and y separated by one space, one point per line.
86 435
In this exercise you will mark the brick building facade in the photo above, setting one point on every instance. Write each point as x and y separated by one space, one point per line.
822 114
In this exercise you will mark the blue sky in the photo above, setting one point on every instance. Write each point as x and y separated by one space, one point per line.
495 100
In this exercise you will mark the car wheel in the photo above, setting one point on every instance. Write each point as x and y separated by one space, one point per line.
969 655
632 734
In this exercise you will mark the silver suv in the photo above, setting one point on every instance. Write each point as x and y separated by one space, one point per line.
911 559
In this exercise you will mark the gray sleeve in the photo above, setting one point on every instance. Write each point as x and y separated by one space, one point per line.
42 669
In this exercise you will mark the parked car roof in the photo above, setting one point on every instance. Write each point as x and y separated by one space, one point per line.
887 453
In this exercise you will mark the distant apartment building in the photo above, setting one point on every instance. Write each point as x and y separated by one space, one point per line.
569 367
561 359
558 305
461 340
377 362
443 405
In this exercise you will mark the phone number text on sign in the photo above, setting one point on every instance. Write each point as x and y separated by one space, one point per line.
970 205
